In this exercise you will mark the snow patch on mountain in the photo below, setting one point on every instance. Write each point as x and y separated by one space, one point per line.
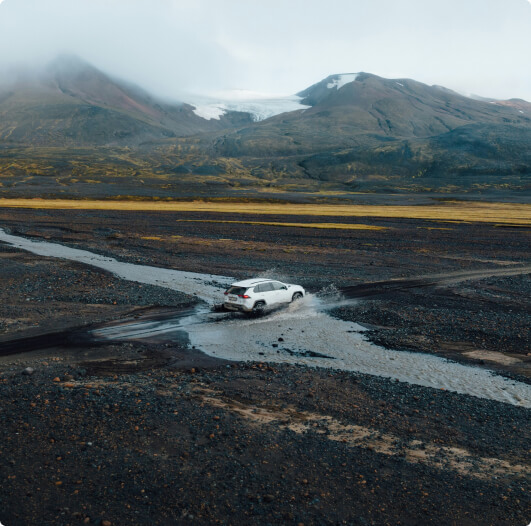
209 111
259 106
341 80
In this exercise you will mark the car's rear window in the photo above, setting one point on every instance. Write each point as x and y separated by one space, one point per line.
236 290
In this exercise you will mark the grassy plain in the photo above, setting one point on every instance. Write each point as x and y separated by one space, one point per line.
454 211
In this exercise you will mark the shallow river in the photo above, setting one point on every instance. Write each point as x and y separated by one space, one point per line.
302 333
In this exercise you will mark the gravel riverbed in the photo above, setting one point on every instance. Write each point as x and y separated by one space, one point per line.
158 433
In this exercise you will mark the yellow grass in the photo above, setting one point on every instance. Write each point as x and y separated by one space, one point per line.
337 226
160 238
500 213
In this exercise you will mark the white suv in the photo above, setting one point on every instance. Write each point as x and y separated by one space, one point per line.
253 295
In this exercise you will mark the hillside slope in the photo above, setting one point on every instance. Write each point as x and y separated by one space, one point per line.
371 133
71 103
75 130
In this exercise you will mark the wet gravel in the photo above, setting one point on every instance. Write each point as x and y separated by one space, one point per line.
43 282
50 293
125 434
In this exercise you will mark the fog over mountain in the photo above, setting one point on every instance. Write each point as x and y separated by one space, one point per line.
173 97
171 47
73 128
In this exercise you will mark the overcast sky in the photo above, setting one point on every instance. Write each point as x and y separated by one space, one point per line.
279 46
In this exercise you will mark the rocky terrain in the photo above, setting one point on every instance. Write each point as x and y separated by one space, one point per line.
156 432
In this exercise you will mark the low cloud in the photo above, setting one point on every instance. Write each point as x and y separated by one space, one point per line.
174 46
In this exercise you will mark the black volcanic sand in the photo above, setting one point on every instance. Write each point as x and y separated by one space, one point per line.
146 433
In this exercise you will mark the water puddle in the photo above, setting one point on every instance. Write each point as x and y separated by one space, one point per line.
301 333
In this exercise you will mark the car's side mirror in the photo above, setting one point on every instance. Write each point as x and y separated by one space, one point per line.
284 287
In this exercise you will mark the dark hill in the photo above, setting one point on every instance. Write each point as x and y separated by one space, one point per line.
369 110
374 133
72 103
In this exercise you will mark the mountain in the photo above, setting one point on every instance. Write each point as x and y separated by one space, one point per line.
349 110
369 133
75 130
71 103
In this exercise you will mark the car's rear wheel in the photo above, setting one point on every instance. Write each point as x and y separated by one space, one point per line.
297 296
259 306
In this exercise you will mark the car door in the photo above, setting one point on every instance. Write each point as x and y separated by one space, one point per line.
269 293
281 292
259 293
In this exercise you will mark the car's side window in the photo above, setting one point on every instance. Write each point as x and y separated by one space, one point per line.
265 287
277 285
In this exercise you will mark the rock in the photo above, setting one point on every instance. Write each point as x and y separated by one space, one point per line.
269 498
68 377
28 371
281 339
56 379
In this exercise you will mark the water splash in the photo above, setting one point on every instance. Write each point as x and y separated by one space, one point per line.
302 333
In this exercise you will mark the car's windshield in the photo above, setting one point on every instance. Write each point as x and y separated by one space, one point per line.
236 290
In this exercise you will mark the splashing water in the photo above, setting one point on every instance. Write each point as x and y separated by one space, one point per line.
302 333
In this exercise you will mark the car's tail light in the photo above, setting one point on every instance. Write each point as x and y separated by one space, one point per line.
226 292
244 296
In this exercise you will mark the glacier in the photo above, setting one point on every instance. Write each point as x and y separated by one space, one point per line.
259 106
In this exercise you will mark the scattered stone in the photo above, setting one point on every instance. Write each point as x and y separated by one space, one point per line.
28 371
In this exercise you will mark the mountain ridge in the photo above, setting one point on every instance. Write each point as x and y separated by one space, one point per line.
358 132
70 96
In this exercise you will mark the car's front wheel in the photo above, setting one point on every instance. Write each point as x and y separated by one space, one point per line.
297 296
